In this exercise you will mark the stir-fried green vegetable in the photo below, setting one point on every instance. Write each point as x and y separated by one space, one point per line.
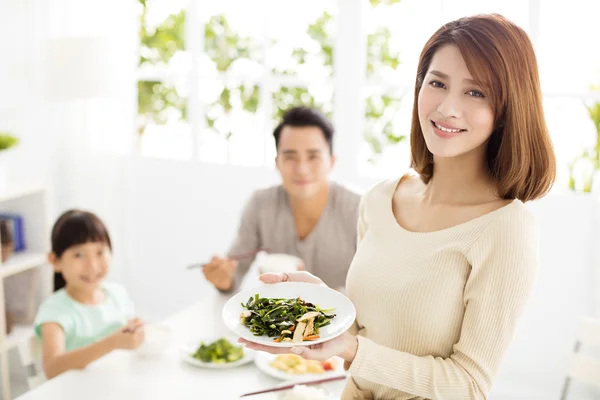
219 352
285 319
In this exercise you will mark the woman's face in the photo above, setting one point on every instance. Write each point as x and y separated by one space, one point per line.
455 114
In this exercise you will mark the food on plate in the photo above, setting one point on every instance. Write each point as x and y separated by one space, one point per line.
220 351
286 320
295 365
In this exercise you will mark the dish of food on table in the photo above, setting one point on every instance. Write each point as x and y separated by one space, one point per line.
219 353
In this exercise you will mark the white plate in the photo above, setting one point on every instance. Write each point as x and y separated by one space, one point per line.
190 348
263 362
319 295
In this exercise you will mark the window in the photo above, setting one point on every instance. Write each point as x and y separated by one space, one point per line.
163 126
394 43
213 90
217 91
570 76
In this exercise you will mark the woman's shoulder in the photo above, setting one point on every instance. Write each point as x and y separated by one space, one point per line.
513 215
406 183
513 226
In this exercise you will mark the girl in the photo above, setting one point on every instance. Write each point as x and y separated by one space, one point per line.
86 317
447 256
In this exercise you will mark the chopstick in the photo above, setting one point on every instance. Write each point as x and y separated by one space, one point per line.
236 257
290 386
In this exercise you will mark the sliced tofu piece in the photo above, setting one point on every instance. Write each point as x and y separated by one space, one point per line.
310 326
309 315
245 315
299 332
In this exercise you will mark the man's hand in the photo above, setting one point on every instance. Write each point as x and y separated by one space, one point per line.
220 272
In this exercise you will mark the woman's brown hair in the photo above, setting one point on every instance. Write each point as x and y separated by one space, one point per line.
501 59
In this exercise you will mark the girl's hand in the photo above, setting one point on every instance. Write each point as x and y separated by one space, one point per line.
344 346
297 276
133 325
131 336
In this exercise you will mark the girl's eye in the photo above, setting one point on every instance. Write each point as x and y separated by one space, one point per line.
437 84
475 93
78 255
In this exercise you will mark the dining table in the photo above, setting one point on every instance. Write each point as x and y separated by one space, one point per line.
127 374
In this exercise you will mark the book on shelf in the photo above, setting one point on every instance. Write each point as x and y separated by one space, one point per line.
14 230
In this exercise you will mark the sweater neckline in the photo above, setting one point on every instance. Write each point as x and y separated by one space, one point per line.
454 228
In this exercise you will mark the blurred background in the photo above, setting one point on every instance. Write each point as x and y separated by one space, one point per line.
158 116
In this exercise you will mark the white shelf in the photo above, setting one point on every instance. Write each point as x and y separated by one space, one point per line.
19 334
20 190
30 200
19 262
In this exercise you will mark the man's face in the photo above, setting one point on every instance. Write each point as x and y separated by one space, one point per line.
304 160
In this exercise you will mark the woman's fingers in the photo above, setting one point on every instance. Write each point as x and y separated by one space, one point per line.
298 276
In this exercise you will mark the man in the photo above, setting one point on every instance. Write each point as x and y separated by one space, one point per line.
307 216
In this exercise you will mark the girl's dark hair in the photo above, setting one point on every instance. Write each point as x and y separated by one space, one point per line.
72 228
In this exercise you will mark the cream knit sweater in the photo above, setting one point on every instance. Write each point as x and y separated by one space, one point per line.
436 311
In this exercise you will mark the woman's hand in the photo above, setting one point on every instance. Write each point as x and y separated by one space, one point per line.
344 346
297 276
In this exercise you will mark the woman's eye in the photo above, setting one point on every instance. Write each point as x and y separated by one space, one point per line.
475 93
437 84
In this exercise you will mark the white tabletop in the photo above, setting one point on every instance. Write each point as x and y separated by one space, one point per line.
127 375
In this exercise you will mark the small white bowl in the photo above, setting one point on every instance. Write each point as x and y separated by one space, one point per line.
156 340
303 392
278 262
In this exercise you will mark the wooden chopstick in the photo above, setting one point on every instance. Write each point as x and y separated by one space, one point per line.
290 386
236 257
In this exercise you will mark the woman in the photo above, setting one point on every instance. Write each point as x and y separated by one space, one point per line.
447 257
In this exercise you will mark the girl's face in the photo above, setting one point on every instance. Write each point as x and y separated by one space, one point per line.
455 114
83 266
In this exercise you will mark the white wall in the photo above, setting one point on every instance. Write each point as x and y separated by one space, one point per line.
21 113
181 213
78 145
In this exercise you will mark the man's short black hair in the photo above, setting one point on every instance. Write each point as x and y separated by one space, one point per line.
305 116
